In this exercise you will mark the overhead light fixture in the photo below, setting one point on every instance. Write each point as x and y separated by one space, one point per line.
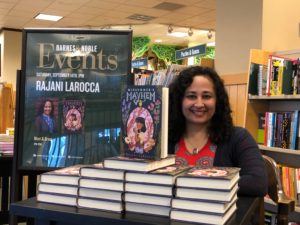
209 34
158 41
211 44
190 32
178 34
48 17
170 29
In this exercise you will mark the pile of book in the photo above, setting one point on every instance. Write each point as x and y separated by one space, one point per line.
6 145
59 186
208 195
101 188
152 192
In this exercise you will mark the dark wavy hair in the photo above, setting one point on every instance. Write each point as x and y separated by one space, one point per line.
41 109
142 121
221 123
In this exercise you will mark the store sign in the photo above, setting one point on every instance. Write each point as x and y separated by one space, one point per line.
139 63
189 52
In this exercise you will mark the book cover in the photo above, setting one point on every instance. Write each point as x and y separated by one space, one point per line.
253 79
152 189
203 205
73 114
106 184
58 188
148 198
147 209
68 175
196 216
261 128
54 198
100 193
215 177
137 164
101 204
97 170
144 127
165 175
206 193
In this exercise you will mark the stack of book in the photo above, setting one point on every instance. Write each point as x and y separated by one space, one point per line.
101 188
6 145
59 186
151 192
208 195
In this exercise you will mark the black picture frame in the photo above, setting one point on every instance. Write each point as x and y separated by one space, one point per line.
80 71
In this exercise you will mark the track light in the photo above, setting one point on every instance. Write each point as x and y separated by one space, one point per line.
170 29
209 34
190 32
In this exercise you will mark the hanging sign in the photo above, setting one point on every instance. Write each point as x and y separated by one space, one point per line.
189 52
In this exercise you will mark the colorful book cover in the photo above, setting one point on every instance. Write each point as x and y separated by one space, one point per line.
73 114
144 127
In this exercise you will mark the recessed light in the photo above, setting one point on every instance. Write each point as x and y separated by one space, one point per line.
48 17
211 44
157 41
178 34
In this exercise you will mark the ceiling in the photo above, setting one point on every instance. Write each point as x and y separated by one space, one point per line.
198 15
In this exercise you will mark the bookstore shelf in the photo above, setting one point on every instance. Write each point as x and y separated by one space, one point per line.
258 102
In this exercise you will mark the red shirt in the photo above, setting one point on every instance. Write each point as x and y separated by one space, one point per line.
204 158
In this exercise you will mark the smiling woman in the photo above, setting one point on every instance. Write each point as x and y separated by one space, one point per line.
202 133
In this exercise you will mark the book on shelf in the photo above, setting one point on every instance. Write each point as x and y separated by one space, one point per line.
173 71
205 193
137 164
54 198
261 128
100 193
206 217
214 206
144 112
147 209
146 188
165 175
107 184
142 76
58 188
101 204
67 175
215 178
270 218
98 171
253 79
148 199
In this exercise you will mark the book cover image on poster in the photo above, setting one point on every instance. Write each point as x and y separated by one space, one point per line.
73 114
144 122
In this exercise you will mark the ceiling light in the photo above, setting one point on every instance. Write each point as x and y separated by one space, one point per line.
158 41
48 17
178 34
190 32
211 44
170 29
209 34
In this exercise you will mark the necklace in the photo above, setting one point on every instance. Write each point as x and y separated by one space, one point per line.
195 150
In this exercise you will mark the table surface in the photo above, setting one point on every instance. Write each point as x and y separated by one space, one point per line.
44 212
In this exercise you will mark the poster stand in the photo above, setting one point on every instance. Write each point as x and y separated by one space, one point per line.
20 169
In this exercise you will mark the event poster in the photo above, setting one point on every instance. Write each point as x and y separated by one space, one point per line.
71 103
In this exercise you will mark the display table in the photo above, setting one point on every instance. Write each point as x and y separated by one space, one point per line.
5 174
43 213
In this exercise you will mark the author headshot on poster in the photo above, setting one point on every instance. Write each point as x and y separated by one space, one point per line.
45 122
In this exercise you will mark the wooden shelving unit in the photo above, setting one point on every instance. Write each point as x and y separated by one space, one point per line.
261 104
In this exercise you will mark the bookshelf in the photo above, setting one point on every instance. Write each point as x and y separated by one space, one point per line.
259 104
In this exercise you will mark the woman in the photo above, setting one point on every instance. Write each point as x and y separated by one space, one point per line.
201 130
45 126
44 122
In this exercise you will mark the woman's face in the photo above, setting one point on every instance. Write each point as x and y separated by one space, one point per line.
139 125
199 101
47 108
